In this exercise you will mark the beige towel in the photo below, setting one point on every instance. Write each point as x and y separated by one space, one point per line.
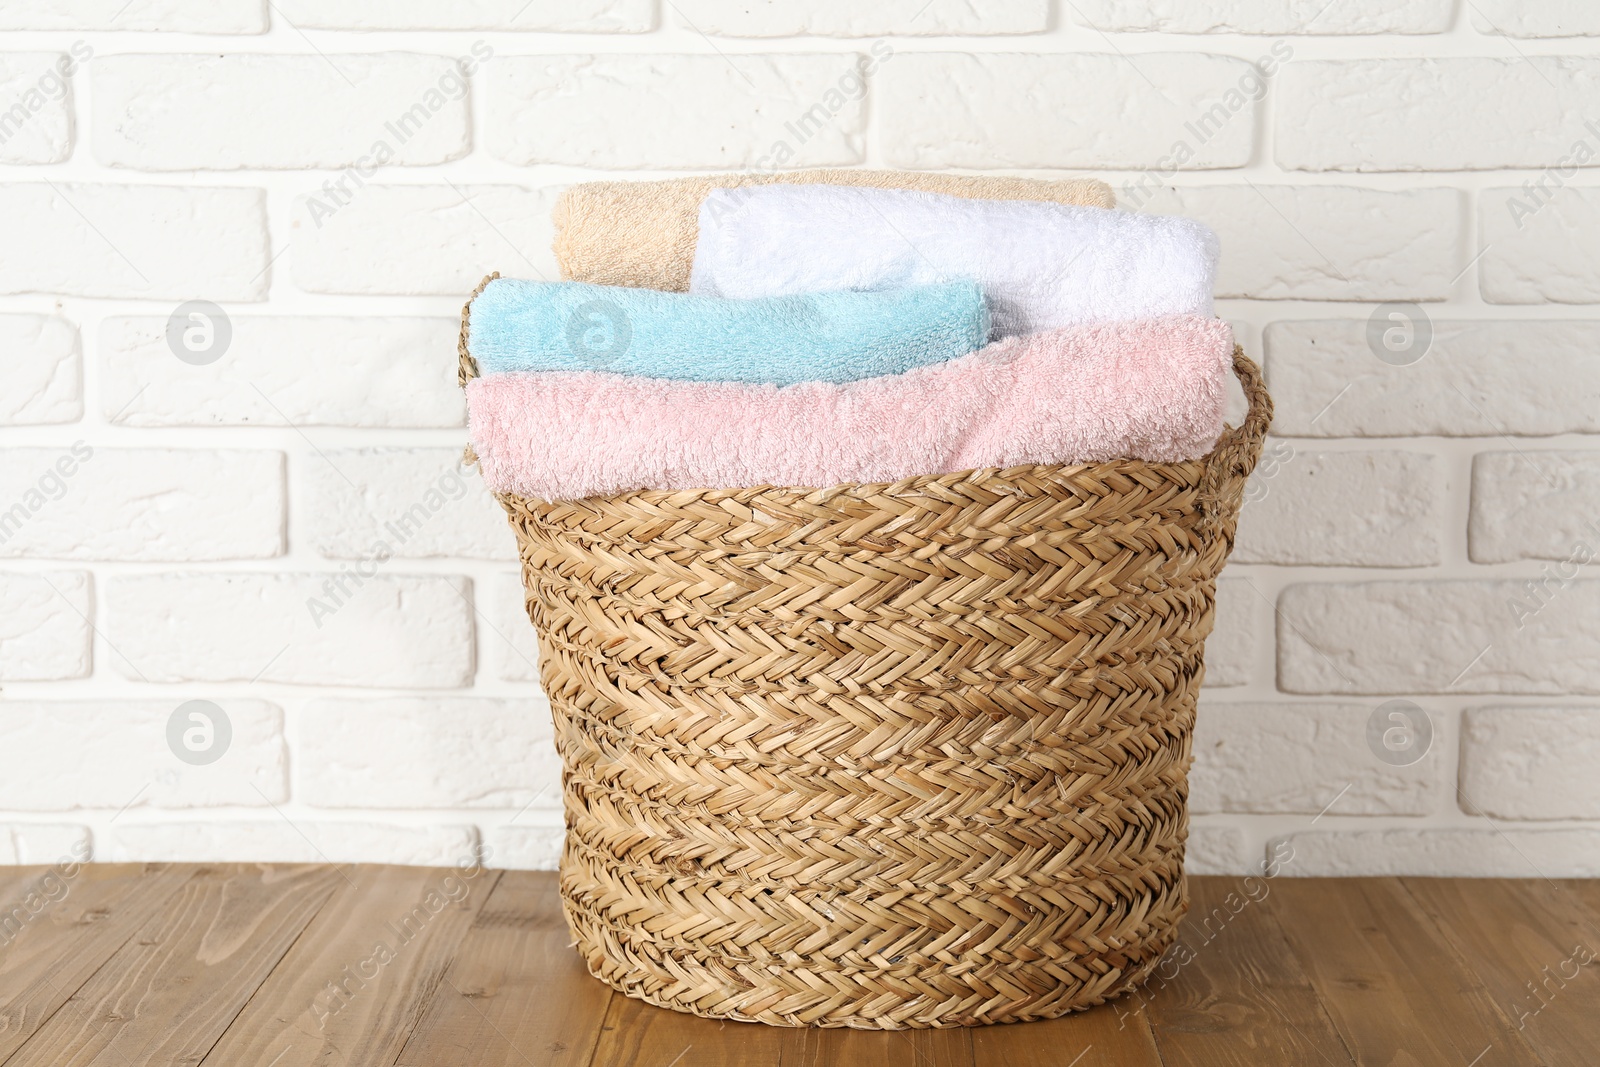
643 233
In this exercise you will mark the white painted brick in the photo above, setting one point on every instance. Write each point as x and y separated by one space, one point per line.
141 503
1357 509
67 755
1216 850
846 18
302 840
286 370
635 111
172 16
1540 249
1300 759
524 848
225 112
1231 648
427 753
1547 18
1534 505
1466 113
41 371
1531 763
1478 379
1263 16
1444 853
1510 636
149 241
510 637
421 239
44 625
570 16
38 844
954 109
35 107
1323 242
393 630
414 502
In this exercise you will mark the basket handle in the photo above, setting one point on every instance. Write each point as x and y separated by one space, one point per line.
467 367
1236 451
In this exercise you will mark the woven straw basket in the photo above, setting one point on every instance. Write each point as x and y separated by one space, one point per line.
882 756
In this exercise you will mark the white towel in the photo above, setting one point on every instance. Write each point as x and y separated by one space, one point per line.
1042 266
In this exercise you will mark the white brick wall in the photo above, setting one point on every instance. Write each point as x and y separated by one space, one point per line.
228 112
571 109
44 625
36 126
41 370
975 111
273 521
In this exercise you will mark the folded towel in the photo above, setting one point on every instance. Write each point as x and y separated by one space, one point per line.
1042 266
642 233
1151 390
831 337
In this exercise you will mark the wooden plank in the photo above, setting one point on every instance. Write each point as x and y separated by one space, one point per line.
517 992
1586 891
1530 942
636 1034
168 993
876 1048
49 952
1232 993
353 987
1390 980
1115 1034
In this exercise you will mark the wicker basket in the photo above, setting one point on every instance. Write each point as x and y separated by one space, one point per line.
882 756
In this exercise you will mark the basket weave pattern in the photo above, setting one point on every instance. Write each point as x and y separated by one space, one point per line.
882 756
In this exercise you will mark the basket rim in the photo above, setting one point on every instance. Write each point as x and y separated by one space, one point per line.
1221 472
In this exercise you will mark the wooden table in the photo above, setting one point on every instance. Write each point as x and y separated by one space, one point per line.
277 966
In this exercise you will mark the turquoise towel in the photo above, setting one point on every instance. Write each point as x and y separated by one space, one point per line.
836 336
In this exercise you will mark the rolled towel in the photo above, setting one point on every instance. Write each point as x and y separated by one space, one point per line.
1151 390
642 233
831 337
1042 266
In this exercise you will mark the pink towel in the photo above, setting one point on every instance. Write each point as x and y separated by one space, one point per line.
1150 390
